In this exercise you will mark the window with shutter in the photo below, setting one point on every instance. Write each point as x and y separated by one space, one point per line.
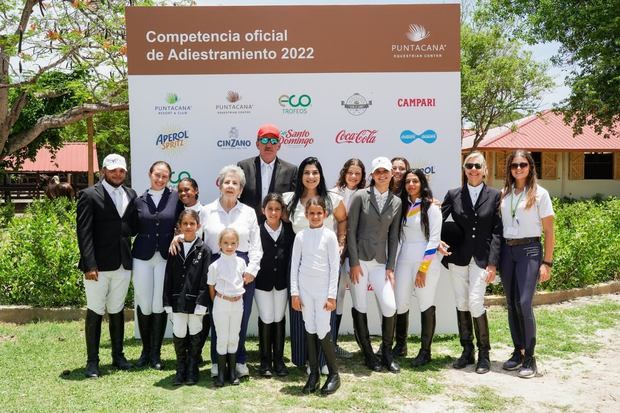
549 165
575 171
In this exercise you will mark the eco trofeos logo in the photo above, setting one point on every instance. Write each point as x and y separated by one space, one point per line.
295 104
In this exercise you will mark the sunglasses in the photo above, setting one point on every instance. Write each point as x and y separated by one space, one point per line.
473 165
265 141
521 165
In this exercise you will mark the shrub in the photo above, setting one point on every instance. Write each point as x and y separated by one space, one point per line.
7 212
587 240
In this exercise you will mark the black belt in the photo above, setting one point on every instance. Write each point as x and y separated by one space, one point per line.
521 241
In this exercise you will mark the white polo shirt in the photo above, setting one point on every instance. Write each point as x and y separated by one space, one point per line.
519 222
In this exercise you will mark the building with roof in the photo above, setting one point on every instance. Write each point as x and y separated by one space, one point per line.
69 163
568 166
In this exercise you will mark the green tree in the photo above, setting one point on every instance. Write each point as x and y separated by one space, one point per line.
499 79
589 37
83 38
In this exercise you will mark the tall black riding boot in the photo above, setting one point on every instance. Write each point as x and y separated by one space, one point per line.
388 324
157 338
117 335
221 370
232 369
402 331
92 331
426 337
193 374
204 334
144 326
181 349
360 323
264 348
312 343
333 378
481 326
278 331
466 336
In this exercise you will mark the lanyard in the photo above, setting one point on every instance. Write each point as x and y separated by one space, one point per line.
513 207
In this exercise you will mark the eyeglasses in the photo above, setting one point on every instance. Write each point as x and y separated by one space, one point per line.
521 165
473 165
265 141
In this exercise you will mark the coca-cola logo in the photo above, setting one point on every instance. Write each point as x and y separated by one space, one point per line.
363 136
301 138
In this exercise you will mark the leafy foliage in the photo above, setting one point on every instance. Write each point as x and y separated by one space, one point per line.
498 78
588 33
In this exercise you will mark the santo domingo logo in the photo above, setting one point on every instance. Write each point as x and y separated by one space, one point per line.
356 104
428 136
233 141
172 140
294 104
172 105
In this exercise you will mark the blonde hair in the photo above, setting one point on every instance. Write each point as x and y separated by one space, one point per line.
227 231
477 154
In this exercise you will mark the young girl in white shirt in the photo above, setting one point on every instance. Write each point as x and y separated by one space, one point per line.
315 263
226 290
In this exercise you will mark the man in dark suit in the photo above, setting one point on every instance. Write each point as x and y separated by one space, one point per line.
266 172
105 213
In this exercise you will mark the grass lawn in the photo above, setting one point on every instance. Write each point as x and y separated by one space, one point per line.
42 364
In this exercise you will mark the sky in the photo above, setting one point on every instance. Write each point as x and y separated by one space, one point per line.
541 52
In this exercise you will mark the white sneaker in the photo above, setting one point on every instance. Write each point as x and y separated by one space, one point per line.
214 370
324 370
242 370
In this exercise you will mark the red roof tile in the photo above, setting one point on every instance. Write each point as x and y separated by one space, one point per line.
545 131
72 157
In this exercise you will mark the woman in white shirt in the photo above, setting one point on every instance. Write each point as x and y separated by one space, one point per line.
418 265
527 212
228 212
352 178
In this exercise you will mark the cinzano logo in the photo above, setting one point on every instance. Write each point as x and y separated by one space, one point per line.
233 141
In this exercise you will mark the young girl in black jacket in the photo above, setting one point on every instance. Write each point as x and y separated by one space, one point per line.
186 296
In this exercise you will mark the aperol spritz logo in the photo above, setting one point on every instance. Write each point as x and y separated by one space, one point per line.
419 45
172 105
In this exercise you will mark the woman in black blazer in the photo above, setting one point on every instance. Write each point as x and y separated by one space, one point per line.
272 281
474 207
157 211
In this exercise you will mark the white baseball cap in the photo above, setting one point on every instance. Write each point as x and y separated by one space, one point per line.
114 161
381 162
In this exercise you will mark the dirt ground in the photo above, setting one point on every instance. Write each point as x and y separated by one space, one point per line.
586 384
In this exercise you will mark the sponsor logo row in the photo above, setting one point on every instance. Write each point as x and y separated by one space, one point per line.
289 104
300 138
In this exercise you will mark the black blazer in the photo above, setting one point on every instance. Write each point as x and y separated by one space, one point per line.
185 282
155 225
275 265
282 180
104 238
481 226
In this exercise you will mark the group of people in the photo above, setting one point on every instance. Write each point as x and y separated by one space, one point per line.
276 235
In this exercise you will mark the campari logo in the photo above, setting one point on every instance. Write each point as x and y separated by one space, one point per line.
416 102
417 44
233 141
428 136
359 137
296 138
234 105
172 139
172 105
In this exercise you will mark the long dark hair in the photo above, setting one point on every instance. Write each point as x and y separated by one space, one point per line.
426 196
342 178
531 182
397 187
299 187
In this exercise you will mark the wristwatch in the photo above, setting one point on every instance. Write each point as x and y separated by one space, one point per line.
548 263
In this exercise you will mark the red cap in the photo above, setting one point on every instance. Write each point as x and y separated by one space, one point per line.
269 129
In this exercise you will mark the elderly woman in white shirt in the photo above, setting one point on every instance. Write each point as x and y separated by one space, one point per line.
228 212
